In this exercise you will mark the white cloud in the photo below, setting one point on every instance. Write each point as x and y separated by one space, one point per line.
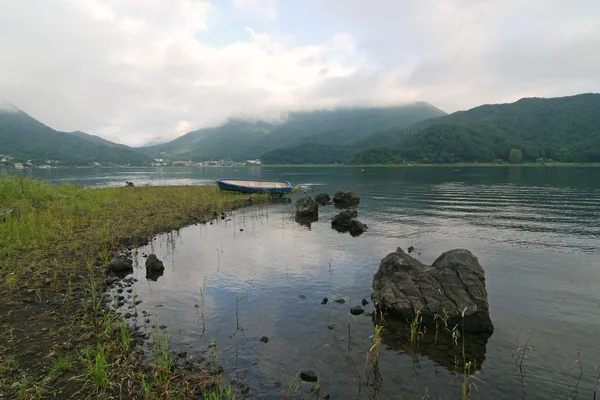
264 8
142 68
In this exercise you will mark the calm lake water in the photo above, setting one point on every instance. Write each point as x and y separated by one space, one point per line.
536 232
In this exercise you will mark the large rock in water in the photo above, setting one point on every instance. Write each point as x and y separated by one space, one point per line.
153 264
453 283
323 199
356 228
306 207
341 222
345 199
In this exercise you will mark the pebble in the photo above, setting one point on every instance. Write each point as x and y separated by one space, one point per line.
340 301
357 310
44 330
162 327
119 290
68 346
325 300
302 296
365 302
331 326
308 376
264 339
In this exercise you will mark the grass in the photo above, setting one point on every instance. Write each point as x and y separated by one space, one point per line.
55 249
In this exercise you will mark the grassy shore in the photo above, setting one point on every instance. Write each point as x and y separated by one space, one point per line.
55 339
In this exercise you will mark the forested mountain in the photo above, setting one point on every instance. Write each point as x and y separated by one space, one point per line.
240 139
563 129
23 137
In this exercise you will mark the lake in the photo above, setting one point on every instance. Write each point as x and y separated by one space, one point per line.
535 231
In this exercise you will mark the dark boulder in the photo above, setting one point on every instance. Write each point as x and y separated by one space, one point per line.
306 207
129 184
120 264
323 199
453 286
153 264
341 222
345 199
356 228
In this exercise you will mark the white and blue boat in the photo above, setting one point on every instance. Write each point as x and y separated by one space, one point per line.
254 186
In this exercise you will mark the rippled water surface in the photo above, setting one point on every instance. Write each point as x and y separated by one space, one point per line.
536 232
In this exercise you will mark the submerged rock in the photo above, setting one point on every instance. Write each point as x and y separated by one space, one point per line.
344 199
306 207
264 339
452 286
308 376
365 302
153 264
120 264
356 228
341 222
325 300
357 310
323 199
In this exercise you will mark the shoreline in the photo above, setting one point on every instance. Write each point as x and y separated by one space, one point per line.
58 338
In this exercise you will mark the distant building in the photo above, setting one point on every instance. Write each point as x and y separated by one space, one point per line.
254 162
45 167
96 164
19 166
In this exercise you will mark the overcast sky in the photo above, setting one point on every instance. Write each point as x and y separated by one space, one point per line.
130 70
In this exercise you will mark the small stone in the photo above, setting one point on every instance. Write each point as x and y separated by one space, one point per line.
302 296
340 301
411 249
325 300
264 339
119 290
121 298
147 320
357 310
127 315
365 302
68 346
241 229
44 330
162 327
147 367
337 336
129 290
51 354
331 326
308 376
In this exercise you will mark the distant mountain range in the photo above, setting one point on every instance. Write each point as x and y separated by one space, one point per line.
25 138
564 129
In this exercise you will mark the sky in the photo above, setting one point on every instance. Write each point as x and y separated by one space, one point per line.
132 70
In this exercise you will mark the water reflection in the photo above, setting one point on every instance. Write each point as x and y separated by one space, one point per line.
444 345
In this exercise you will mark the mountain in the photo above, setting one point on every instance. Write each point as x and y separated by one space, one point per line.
239 139
155 142
24 137
563 129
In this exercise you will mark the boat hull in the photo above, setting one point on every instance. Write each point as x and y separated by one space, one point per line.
254 186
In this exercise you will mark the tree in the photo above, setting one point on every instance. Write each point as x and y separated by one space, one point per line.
515 156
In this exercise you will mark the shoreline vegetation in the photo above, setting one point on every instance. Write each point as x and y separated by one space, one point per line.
57 339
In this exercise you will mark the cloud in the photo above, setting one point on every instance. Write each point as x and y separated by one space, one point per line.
264 8
141 68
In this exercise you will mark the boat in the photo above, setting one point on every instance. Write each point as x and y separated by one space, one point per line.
254 186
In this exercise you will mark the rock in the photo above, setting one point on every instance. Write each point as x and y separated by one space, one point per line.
331 326
119 290
340 301
357 310
264 339
154 264
338 336
411 249
301 296
129 184
7 212
241 229
323 199
68 346
325 300
344 199
453 283
341 222
365 302
306 207
147 367
356 227
308 376
120 264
